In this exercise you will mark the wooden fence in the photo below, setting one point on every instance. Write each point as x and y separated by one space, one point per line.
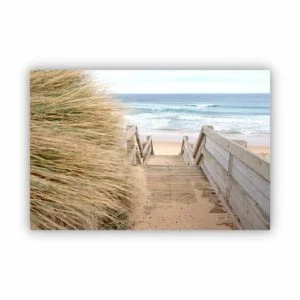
137 151
240 178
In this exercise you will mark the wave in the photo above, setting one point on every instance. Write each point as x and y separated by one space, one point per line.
231 114
192 123
202 109
204 105
196 115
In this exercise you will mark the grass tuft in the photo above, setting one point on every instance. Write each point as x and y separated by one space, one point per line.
79 178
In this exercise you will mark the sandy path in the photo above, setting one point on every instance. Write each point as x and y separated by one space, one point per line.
174 196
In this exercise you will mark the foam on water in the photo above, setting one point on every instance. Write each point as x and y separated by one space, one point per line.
228 113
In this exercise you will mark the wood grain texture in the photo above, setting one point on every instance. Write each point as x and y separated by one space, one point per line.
130 132
188 151
218 152
245 191
254 162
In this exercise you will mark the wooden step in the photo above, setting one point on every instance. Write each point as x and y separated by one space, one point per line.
178 197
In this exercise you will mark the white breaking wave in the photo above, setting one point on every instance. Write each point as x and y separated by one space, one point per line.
187 113
204 105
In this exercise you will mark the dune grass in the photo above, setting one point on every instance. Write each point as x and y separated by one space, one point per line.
79 178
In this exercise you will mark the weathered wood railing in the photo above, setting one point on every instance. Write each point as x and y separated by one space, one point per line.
240 178
138 152
187 151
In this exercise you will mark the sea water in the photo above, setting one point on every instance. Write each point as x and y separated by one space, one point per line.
184 114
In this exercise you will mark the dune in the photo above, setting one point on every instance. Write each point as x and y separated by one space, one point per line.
79 178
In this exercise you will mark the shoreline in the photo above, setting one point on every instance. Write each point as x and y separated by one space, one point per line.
253 140
173 148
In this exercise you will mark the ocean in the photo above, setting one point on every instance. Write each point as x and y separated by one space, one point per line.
184 114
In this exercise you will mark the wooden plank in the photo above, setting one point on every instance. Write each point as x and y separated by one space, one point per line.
138 156
147 148
221 196
218 173
243 205
130 132
199 153
188 155
152 148
189 151
185 139
255 162
211 180
223 152
241 143
218 152
182 144
198 143
185 158
250 187
258 181
249 211
149 138
229 170
137 136
131 140
197 146
132 156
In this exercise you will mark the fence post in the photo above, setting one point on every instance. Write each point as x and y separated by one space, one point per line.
131 145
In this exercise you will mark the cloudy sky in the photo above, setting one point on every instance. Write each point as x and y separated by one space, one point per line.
184 81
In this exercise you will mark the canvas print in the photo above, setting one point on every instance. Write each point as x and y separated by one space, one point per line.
150 149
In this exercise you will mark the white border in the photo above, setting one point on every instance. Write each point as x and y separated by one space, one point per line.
137 35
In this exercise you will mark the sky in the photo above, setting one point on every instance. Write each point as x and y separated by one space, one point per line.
183 81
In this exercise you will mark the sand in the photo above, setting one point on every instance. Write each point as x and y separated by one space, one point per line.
164 202
166 148
264 152
172 195
173 148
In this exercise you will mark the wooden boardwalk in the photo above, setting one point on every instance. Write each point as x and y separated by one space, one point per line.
186 191
177 196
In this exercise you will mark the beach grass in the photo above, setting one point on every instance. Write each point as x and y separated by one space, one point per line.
79 178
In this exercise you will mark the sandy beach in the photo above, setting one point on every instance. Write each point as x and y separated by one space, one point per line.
173 148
